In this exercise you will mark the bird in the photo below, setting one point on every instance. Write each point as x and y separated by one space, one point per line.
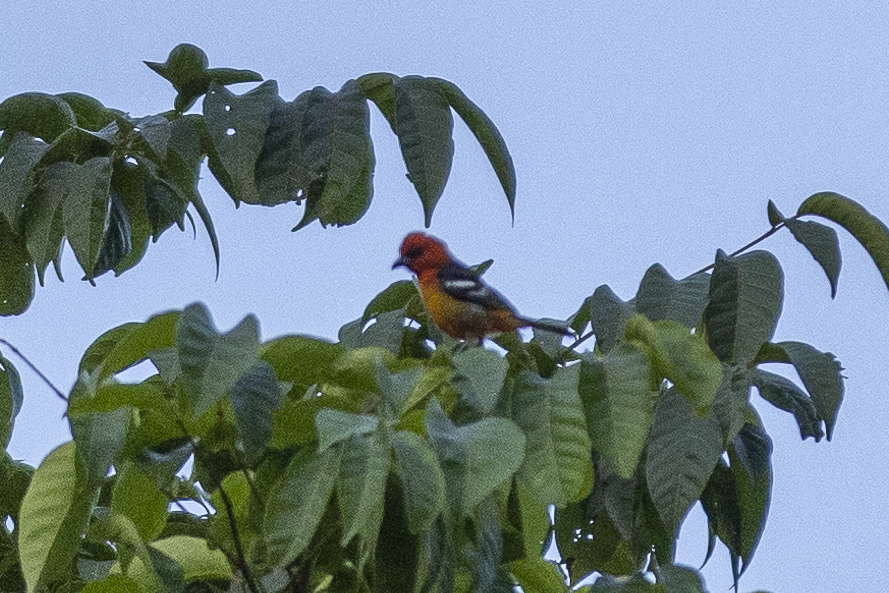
456 298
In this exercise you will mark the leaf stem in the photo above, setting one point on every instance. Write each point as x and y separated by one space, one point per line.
765 236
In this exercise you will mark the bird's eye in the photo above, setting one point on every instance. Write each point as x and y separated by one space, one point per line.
413 252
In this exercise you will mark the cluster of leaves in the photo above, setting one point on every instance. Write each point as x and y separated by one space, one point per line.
74 170
397 459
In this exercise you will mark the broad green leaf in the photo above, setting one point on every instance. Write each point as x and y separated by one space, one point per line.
164 205
396 388
38 114
680 579
232 501
126 345
16 273
490 548
137 497
281 172
212 362
421 478
197 559
661 297
424 124
488 136
746 294
608 314
79 146
334 426
822 243
128 182
237 125
53 516
618 398
11 398
480 376
254 396
301 360
785 395
751 449
680 356
395 297
99 437
557 466
398 552
377 87
118 239
90 113
731 403
361 486
494 449
295 508
156 131
852 216
113 583
86 210
682 451
821 374
186 69
536 575
110 396
338 152
720 502
17 175
44 226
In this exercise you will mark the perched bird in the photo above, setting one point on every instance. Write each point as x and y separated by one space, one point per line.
460 304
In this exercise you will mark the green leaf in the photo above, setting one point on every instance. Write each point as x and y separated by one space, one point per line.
99 437
396 388
128 182
17 175
732 400
15 476
197 559
682 451
608 314
775 216
397 555
44 226
424 124
110 396
255 396
137 497
361 485
680 356
750 458
680 579
113 583
822 243
296 506
785 395
118 240
746 294
237 125
395 297
852 216
53 516
421 478
38 114
129 344
377 87
618 399
86 210
16 273
557 465
281 172
186 68
11 398
301 360
661 297
820 372
488 136
90 113
480 376
212 362
335 426
536 575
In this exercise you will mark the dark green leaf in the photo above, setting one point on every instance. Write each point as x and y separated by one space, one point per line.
281 173
421 479
865 227
296 506
86 210
301 360
361 485
679 579
89 112
822 243
38 114
820 372
488 136
237 125
212 362
16 272
126 345
661 297
77 145
750 458
137 497
17 175
618 399
785 395
398 552
377 87
44 225
11 398
557 465
424 124
775 216
118 240
732 397
746 294
720 502
255 395
335 426
682 451
490 548
395 297
99 437
480 376
608 314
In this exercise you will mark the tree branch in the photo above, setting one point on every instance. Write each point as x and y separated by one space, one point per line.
15 350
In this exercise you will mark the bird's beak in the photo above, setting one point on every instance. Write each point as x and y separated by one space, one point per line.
400 263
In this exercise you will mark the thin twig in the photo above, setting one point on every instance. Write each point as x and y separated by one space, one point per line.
15 350
242 562
768 234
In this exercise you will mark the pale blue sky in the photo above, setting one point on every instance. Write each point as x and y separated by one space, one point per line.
641 133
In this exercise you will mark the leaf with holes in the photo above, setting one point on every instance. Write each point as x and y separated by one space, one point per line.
280 173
